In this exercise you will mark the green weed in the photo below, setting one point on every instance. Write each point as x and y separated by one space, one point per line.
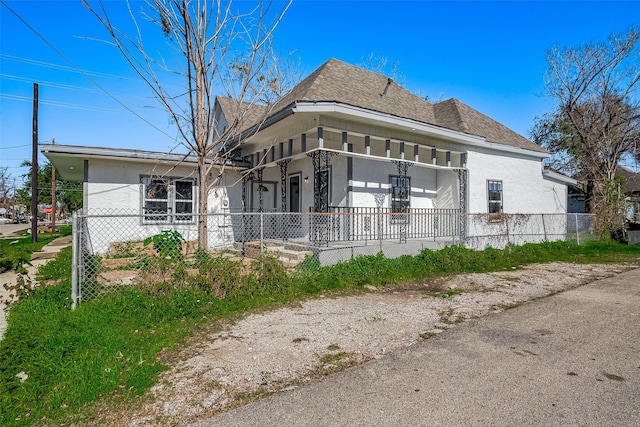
333 357
107 349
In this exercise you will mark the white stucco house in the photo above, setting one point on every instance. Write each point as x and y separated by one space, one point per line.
344 141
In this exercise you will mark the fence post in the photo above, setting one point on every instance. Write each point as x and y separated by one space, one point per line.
74 259
577 229
380 227
261 231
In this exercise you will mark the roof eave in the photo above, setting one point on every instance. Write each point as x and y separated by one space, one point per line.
413 125
555 176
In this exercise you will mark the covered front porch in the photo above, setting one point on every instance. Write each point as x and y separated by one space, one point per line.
343 182
343 167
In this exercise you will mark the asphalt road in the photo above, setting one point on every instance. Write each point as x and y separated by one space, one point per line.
9 229
572 359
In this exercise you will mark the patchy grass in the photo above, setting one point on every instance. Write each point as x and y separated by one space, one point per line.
15 252
107 350
427 335
333 357
448 293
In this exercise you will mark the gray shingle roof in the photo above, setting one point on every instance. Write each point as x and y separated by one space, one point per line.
337 81
341 82
251 112
631 178
456 115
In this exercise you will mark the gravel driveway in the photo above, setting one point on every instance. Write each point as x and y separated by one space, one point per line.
285 348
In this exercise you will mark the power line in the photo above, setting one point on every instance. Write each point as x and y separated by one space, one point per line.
61 67
60 85
59 104
81 71
15 146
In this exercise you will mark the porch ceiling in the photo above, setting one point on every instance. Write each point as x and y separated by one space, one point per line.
360 156
304 115
304 120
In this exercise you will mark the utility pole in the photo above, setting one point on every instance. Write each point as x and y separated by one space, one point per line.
53 194
34 168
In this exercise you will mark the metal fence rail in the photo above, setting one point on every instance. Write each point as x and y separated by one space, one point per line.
109 247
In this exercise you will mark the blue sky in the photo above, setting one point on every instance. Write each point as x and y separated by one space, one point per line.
488 54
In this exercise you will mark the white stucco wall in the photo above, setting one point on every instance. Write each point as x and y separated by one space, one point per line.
114 187
523 188
554 196
430 188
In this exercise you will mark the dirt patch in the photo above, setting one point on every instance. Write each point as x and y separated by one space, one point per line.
276 351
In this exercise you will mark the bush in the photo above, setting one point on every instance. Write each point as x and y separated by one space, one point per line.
220 276
168 244
270 276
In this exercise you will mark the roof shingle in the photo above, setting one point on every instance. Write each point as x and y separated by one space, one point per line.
337 81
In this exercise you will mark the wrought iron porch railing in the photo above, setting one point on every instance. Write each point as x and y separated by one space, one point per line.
346 224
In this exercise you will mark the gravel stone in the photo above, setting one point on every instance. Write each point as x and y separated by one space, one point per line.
279 350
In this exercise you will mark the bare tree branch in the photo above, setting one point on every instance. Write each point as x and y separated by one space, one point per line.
219 49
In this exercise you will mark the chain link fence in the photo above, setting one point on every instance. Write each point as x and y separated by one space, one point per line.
112 249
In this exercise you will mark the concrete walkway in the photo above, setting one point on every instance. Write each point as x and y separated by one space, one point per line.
48 252
572 359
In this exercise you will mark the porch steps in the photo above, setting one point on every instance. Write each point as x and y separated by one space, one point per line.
288 255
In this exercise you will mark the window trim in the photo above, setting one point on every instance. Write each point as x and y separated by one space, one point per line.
494 202
401 215
170 217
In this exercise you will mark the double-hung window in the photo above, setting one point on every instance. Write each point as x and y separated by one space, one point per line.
400 196
494 196
168 200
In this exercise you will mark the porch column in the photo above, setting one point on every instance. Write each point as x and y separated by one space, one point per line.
283 186
320 225
283 182
245 219
462 182
260 188
403 167
321 162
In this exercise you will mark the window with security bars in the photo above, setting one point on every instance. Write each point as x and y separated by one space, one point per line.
167 200
400 196
494 193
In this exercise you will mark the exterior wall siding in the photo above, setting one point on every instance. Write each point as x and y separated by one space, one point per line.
427 185
522 182
114 187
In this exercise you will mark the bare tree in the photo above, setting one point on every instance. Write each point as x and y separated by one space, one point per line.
597 116
381 65
218 49
5 191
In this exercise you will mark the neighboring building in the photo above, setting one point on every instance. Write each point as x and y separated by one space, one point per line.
630 188
631 191
344 140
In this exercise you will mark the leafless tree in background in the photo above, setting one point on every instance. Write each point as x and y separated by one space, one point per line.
597 117
218 49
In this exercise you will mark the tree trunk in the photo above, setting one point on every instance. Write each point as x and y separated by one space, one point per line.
203 199
590 196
